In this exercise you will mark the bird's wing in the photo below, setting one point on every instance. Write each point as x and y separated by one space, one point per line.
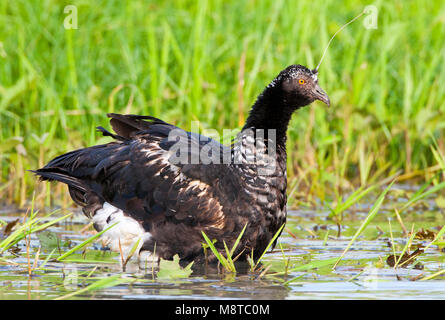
143 174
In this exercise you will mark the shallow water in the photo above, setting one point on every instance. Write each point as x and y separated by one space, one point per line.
362 274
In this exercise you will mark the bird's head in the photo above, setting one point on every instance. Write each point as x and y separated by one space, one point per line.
294 87
300 86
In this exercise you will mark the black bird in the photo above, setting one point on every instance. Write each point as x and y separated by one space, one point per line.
164 185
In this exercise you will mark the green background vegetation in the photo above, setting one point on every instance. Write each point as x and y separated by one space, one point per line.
185 61
208 60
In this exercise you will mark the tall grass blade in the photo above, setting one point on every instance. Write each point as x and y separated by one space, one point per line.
421 193
31 225
436 274
212 247
372 213
97 285
84 243
270 244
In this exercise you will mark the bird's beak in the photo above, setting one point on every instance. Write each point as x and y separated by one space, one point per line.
319 94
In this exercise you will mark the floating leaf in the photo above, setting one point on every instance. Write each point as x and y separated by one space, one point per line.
8 228
423 234
48 240
172 269
405 260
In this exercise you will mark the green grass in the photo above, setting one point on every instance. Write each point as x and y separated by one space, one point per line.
208 60
372 213
228 261
31 224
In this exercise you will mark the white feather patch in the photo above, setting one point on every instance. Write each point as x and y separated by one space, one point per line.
124 234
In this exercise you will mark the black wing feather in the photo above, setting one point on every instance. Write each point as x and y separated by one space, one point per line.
134 174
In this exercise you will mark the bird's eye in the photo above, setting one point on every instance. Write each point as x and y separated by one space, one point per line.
301 81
